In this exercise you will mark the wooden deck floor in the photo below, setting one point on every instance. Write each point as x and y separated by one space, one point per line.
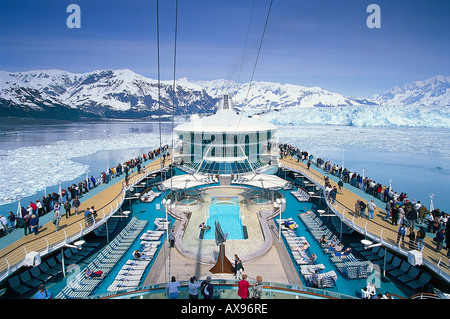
347 201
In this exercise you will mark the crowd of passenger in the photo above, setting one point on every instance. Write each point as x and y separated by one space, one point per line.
206 288
399 209
28 217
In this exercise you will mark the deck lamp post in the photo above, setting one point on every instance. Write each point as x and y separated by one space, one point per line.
166 205
19 207
87 178
59 191
78 245
279 226
431 202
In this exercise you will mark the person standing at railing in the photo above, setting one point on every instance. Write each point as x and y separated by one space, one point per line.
207 288
34 224
193 287
412 218
420 237
243 285
56 219
371 209
412 238
76 204
67 208
172 288
87 217
357 208
387 209
394 215
439 239
363 208
257 288
401 234
341 185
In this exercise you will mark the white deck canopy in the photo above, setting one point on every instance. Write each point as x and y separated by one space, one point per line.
184 181
265 181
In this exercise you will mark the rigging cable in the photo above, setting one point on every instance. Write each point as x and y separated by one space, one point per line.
174 91
256 62
173 116
159 116
246 40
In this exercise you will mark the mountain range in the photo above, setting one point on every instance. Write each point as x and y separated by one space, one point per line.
125 94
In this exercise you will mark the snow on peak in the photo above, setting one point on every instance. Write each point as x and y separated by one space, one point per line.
123 90
434 91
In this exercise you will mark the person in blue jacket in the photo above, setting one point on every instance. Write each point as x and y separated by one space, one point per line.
43 293
34 223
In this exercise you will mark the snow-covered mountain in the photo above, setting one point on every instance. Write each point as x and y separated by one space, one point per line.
125 94
269 95
434 91
119 93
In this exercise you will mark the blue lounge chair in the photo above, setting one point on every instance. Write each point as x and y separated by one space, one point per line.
404 267
39 275
412 274
25 277
420 282
44 268
17 286
396 262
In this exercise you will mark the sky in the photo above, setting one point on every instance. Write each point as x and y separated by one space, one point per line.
323 43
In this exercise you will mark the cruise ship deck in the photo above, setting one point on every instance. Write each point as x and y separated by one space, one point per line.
273 261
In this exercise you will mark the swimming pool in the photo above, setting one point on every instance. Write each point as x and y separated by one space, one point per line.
226 210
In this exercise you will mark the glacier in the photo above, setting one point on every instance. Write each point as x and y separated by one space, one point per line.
363 116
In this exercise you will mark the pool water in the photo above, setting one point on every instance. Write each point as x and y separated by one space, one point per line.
225 210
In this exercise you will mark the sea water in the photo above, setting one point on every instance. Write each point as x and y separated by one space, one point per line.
37 155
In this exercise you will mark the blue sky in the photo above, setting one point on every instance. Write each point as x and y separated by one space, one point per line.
323 43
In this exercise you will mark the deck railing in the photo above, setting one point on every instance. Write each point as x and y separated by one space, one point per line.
227 289
55 240
371 229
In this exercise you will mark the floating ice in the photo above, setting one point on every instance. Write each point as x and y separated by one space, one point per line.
27 170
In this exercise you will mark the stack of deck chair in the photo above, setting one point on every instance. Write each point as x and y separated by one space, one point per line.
325 280
301 195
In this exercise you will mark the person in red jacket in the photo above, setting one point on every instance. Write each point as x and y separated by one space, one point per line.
243 287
